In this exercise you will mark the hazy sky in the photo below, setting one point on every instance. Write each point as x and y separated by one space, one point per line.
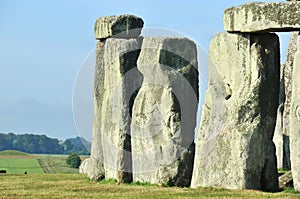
43 43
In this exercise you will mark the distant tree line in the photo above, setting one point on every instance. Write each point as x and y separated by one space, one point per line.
41 144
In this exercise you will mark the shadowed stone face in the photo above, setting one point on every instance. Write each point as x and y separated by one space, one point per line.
234 147
263 17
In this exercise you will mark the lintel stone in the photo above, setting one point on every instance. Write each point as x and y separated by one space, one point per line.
263 17
122 26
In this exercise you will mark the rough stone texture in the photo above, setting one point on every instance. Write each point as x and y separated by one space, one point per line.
93 168
263 17
288 78
116 81
234 147
286 180
164 112
279 137
295 120
282 136
123 26
121 80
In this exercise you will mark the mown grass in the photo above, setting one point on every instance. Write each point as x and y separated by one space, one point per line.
78 186
17 162
56 164
20 166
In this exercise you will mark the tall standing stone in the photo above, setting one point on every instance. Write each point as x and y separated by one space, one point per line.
282 132
234 147
164 113
116 81
93 166
295 120
121 80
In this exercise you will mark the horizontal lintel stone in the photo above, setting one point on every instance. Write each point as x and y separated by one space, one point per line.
122 26
263 17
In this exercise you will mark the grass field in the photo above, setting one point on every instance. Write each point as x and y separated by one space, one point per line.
20 166
78 186
54 184
16 162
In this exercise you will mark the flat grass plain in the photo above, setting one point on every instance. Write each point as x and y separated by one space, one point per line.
60 181
78 186
16 162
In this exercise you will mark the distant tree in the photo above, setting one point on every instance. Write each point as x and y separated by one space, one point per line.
73 160
75 145
41 144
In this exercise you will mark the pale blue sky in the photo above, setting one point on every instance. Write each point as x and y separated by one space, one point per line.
43 43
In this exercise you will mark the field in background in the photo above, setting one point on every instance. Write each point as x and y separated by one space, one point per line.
78 186
16 162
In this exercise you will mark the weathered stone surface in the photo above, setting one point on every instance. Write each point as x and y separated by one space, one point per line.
121 81
234 147
116 81
288 78
286 180
164 112
295 120
93 168
282 131
279 137
123 26
263 17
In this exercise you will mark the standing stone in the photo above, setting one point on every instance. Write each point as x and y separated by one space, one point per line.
295 120
263 17
121 79
278 138
288 78
115 83
164 112
93 166
234 147
282 136
122 26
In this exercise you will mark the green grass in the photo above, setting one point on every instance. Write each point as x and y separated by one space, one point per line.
77 186
16 162
18 166
12 153
281 170
56 164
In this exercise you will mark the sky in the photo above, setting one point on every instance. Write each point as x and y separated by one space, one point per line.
43 45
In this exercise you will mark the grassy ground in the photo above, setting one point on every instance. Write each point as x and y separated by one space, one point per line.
78 186
16 162
19 166
55 164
